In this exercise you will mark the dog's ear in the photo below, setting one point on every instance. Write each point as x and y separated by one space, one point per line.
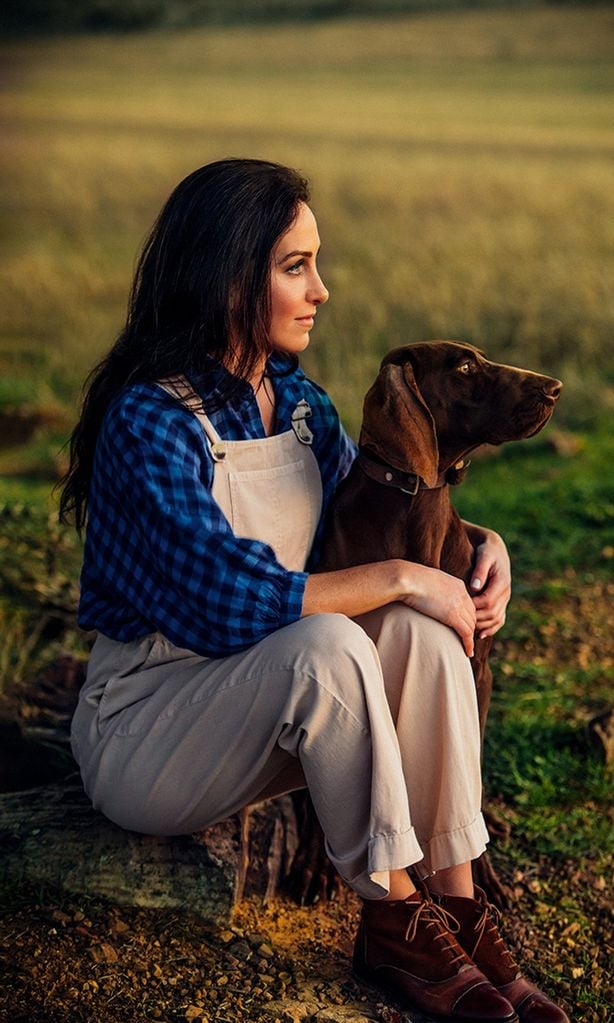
397 425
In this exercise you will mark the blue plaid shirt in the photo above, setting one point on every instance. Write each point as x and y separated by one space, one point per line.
159 553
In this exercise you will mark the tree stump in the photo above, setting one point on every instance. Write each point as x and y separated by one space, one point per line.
51 835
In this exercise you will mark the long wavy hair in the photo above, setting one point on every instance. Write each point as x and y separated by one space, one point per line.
201 290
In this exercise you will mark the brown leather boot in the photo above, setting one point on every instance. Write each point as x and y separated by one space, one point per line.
482 942
406 949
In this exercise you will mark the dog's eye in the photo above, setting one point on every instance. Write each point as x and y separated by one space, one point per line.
466 367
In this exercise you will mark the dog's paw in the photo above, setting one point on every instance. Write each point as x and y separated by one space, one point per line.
486 877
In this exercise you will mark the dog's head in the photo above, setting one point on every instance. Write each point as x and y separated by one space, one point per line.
434 402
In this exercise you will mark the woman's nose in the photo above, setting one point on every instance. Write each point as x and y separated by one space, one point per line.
318 292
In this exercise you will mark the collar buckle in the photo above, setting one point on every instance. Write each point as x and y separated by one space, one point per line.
415 488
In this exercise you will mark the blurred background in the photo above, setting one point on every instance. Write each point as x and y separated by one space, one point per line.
460 157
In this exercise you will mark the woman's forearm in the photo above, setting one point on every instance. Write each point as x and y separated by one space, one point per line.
354 591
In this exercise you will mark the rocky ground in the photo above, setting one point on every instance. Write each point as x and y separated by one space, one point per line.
72 960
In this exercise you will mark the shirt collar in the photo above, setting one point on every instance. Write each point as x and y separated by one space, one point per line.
213 380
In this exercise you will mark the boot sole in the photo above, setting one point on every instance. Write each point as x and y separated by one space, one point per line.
404 1003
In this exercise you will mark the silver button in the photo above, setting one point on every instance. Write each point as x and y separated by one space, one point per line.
218 452
388 476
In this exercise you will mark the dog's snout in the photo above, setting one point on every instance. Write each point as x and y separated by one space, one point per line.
552 388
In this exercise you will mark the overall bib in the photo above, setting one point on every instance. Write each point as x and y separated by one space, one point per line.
377 716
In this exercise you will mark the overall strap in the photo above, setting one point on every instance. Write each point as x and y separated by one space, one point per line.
178 387
301 413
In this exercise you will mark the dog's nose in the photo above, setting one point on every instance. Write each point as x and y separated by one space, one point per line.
552 388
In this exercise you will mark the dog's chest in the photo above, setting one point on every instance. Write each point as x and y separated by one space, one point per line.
370 522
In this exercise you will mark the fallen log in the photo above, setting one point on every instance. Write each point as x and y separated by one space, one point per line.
51 835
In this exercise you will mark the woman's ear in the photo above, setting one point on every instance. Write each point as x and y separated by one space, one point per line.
397 425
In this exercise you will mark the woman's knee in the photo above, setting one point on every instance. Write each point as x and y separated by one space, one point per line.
416 649
402 625
335 653
334 634
437 636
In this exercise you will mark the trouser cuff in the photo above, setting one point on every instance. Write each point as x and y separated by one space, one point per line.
458 846
386 852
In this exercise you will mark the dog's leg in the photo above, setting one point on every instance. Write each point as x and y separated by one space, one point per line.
486 877
484 874
312 877
244 819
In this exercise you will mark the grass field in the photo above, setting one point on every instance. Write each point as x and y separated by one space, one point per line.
464 184
461 166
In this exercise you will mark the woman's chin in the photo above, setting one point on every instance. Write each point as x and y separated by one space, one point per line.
293 347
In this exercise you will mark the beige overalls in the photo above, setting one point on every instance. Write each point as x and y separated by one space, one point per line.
170 742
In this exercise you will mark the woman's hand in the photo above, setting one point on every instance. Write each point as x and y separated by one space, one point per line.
445 598
354 591
491 579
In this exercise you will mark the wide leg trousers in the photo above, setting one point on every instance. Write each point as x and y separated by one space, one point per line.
376 716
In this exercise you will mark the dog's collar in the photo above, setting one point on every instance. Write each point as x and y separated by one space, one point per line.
408 482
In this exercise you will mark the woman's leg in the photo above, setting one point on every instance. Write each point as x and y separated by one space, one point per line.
431 693
406 946
457 880
424 666
172 742
169 742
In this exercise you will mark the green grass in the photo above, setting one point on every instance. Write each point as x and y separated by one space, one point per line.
25 492
555 511
539 759
551 666
39 570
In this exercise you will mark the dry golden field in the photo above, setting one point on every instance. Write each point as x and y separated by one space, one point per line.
461 166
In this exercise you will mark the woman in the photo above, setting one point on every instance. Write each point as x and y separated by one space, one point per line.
225 670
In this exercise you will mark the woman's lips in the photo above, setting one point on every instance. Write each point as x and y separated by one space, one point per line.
306 321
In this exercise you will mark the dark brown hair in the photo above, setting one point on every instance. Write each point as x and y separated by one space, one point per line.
202 284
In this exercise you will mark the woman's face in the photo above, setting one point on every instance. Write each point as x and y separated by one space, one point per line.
296 287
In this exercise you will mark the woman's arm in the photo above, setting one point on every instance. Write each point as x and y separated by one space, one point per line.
354 591
160 554
491 580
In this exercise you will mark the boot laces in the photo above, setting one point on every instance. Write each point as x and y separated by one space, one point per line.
445 925
488 925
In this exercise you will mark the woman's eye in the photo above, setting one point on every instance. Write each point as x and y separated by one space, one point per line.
296 267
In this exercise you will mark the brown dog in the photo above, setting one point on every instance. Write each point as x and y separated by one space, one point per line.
430 406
